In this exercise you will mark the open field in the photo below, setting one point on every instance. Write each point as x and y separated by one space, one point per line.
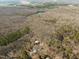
53 34
12 18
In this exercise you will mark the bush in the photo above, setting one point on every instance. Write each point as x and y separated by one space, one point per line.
4 40
62 40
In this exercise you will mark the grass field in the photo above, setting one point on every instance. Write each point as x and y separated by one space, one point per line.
54 34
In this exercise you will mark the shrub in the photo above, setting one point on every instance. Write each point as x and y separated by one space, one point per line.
25 55
4 40
62 40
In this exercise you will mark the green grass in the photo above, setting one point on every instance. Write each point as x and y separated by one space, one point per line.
4 40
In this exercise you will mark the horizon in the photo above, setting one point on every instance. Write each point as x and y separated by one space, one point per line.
36 1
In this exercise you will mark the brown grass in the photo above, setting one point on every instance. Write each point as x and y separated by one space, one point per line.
58 33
